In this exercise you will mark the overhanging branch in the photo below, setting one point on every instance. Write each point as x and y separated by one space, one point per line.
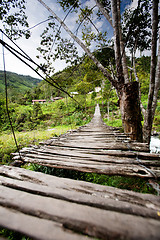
104 12
80 43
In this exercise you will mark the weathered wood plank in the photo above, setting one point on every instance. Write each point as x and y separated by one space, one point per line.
108 169
89 153
93 161
24 175
85 207
97 146
105 198
109 157
34 227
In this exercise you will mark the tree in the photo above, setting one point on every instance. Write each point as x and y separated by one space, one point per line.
154 76
128 91
13 18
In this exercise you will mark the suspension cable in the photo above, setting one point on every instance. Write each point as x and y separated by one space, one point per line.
7 108
17 53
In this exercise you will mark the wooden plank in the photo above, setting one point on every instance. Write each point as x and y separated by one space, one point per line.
85 158
104 146
18 178
42 158
110 169
89 153
35 227
73 209
86 195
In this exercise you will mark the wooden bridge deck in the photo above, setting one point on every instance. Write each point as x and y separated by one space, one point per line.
47 207
97 148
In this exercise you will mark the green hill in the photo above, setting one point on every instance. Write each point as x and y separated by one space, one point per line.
17 84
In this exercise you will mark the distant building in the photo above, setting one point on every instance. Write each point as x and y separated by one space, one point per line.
97 89
41 101
73 93
56 98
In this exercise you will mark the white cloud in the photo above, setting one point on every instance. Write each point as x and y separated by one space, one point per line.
133 4
36 13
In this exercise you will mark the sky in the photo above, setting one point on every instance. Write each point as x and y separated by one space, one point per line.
37 13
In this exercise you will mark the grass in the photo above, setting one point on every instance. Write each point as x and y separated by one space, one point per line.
113 122
7 144
12 235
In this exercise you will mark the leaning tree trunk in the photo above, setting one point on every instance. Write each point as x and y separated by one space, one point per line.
148 119
128 92
130 110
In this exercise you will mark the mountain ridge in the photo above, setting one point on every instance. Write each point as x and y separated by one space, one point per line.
17 83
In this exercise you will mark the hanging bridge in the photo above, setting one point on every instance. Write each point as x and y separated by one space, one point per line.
48 207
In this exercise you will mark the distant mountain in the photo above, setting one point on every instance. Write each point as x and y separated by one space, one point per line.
17 83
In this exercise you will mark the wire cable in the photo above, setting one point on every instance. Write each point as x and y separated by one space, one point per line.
17 53
7 109
61 26
37 24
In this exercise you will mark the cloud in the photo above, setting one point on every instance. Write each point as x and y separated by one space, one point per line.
36 13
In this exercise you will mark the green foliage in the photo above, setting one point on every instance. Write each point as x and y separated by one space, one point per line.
113 122
13 18
58 115
7 144
93 95
156 122
134 26
17 85
130 183
12 235
143 71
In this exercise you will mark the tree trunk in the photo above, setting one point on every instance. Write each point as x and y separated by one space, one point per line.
128 92
117 49
104 11
122 47
157 81
148 120
130 110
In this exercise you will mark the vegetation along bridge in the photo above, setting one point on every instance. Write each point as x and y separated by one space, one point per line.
48 207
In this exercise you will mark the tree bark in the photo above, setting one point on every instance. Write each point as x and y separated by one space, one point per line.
118 58
104 12
122 47
148 120
128 92
130 110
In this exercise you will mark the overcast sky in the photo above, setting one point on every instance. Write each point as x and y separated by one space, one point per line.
37 13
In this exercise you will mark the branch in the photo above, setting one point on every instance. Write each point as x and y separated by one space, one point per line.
60 27
117 47
122 47
98 64
104 12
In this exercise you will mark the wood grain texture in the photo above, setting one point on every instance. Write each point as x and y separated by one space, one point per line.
31 201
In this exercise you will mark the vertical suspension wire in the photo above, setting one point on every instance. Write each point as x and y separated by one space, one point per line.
6 98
